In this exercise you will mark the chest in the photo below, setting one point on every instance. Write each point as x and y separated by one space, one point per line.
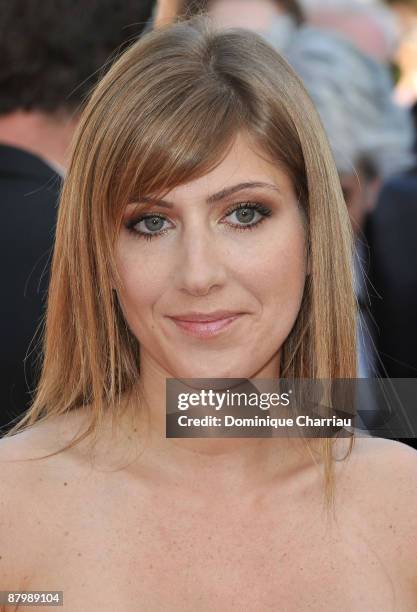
167 556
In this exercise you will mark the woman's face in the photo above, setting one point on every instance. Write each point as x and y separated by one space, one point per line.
213 275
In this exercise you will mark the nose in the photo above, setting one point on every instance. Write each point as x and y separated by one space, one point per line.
201 265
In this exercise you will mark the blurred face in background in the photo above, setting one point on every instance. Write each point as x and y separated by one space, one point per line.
254 15
367 25
213 280
265 17
406 55
406 14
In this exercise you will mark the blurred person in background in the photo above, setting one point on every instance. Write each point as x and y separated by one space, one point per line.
392 229
51 54
370 138
385 30
276 20
406 56
369 25
391 232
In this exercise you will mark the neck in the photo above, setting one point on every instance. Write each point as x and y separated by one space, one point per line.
46 136
225 465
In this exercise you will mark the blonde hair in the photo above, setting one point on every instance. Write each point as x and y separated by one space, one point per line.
166 113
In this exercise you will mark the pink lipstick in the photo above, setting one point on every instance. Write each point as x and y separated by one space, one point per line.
205 325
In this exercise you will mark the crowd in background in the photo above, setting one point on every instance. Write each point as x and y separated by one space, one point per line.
357 59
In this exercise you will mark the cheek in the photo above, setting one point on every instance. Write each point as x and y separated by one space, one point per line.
143 282
278 263
277 275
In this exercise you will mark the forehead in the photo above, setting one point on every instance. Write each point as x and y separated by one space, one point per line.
244 162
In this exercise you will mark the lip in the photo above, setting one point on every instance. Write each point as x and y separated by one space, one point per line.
216 315
205 325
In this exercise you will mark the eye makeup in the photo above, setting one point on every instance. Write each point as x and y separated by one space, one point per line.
142 225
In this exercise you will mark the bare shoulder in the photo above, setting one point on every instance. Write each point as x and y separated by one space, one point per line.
29 495
42 437
384 470
39 454
379 483
383 463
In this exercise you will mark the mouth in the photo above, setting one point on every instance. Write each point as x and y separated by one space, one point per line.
195 326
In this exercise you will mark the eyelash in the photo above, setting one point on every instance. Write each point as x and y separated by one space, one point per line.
262 210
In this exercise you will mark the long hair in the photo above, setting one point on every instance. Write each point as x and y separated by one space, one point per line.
166 113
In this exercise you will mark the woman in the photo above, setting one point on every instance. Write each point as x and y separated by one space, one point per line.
202 233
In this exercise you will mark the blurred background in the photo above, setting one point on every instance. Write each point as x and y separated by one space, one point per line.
357 59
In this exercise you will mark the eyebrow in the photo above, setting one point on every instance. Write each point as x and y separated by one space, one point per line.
216 197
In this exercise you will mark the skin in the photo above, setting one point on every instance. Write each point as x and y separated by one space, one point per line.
166 12
45 135
208 260
406 54
251 14
361 27
149 538
218 524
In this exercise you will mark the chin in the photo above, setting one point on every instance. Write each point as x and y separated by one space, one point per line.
215 371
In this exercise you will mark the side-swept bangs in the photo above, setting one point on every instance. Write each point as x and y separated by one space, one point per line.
169 109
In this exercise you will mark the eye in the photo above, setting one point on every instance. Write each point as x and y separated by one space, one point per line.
148 226
248 214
